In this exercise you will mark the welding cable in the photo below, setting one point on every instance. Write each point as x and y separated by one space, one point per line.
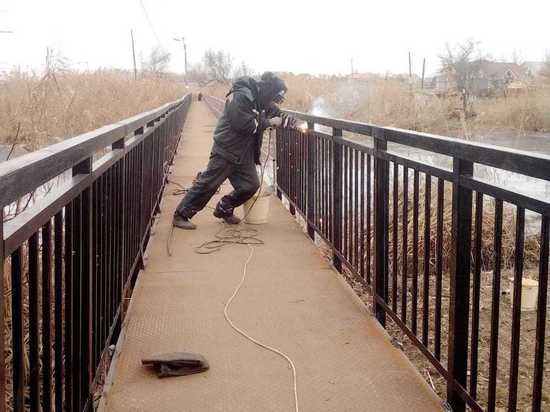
225 237
243 236
235 234
253 340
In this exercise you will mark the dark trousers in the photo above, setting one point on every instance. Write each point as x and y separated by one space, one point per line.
243 178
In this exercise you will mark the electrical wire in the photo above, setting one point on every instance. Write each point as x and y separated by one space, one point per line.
150 22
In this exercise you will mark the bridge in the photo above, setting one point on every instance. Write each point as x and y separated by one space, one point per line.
359 259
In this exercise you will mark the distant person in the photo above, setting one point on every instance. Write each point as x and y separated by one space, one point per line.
199 96
250 108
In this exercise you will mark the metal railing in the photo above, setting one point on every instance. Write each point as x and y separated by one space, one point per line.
434 264
424 258
72 257
214 104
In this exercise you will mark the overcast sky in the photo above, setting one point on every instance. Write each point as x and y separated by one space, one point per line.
297 36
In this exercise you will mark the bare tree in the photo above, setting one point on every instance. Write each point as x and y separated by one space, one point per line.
242 70
545 71
158 61
197 74
217 65
463 63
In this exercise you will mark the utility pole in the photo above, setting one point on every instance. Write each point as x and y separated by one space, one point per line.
182 40
410 74
133 54
423 72
352 68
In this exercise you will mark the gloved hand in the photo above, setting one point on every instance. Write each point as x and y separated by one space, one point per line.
288 121
275 122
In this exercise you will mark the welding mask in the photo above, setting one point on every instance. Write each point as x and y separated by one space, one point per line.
272 89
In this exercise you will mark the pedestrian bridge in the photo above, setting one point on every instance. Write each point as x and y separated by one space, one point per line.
96 279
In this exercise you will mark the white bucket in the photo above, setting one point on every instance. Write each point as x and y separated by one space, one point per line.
529 294
260 210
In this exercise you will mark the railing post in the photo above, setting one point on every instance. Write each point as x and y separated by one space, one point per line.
337 197
86 283
121 145
381 187
310 180
293 171
460 284
141 179
2 303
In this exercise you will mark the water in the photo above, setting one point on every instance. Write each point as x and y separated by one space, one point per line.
532 187
529 186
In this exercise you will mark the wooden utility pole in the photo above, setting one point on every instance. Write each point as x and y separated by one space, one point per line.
423 71
182 40
185 53
133 54
410 73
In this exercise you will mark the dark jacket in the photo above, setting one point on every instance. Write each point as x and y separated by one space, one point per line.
238 134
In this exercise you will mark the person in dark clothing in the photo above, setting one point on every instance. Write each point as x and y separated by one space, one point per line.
250 108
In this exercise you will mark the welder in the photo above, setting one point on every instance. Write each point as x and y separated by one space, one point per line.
251 107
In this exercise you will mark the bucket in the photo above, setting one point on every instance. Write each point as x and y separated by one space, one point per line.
259 213
529 293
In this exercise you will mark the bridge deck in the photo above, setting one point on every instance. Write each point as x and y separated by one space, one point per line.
292 299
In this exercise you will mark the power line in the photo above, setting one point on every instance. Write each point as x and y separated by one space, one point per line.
150 22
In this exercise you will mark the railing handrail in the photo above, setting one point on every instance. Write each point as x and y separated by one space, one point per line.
24 174
519 161
528 163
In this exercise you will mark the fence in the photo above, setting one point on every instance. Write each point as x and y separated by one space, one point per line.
430 241
357 198
72 257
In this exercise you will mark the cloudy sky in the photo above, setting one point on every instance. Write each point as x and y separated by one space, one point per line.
298 36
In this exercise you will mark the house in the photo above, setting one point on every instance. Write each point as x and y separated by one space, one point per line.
487 78
494 77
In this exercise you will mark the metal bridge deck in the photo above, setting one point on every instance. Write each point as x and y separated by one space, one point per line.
292 300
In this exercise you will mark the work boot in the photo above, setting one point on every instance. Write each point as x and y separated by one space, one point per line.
229 219
183 223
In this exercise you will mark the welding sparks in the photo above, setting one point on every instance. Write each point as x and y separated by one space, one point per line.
303 127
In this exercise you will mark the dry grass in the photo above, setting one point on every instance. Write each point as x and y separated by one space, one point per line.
63 104
529 111
39 110
392 102
488 252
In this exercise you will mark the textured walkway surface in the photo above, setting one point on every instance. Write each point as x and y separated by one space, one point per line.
292 299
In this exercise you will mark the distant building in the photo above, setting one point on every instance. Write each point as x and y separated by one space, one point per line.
534 69
494 77
363 77
490 78
440 84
